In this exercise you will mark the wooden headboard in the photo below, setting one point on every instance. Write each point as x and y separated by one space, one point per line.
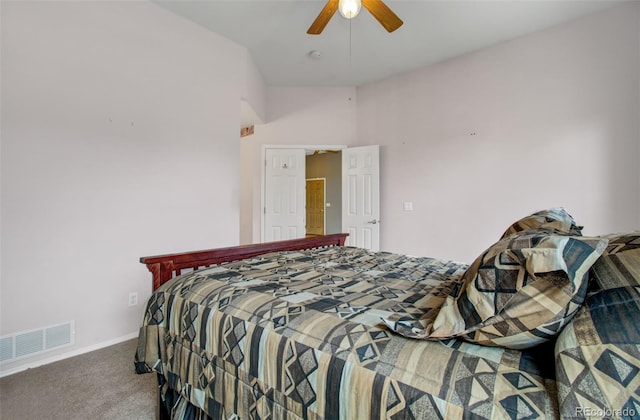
165 267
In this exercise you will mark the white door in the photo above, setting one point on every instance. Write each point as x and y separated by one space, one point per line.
361 196
284 212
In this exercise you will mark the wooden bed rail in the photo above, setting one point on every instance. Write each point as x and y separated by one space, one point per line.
165 267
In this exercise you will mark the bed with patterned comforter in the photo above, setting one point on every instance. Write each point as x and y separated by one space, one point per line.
302 334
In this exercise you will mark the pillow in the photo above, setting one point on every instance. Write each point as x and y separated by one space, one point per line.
556 218
619 265
597 356
621 243
520 291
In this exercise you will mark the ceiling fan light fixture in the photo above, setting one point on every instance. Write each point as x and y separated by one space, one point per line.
349 8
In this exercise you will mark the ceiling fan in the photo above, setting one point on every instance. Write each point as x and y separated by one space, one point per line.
350 9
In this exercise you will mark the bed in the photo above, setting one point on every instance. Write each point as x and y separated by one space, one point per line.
311 329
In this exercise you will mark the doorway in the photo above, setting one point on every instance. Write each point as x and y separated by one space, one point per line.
327 165
284 213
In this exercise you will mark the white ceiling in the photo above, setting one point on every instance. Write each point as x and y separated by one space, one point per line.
360 51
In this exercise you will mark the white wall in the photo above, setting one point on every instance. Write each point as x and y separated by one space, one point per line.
118 141
476 142
254 96
296 116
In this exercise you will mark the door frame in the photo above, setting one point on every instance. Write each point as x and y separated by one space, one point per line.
263 158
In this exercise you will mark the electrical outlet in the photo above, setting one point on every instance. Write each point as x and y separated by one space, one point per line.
133 298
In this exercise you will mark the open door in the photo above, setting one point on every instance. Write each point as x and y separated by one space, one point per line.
284 210
361 196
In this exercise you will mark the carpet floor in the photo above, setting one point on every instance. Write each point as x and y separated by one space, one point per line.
97 385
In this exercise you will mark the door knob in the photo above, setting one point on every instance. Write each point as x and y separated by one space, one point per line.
374 221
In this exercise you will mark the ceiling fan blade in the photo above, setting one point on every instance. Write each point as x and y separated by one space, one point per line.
323 18
383 14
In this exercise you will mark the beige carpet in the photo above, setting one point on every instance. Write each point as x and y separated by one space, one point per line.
98 385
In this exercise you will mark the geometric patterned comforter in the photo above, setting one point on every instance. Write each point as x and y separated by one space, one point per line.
299 335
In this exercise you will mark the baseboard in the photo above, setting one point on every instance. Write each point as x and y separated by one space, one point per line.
66 355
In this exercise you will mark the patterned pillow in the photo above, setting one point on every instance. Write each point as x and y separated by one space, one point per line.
621 243
521 291
556 218
597 354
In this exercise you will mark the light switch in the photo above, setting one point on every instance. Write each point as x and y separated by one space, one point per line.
328 204
408 206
